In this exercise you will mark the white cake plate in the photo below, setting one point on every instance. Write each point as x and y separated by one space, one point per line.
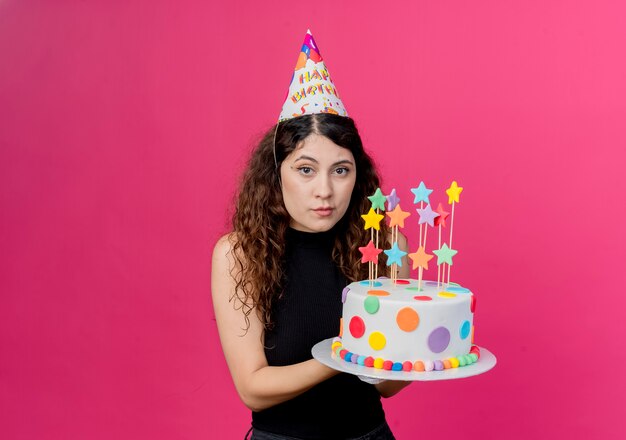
322 352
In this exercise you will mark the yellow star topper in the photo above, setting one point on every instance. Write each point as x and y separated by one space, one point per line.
453 192
372 220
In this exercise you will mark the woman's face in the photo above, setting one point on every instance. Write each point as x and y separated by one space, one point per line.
317 182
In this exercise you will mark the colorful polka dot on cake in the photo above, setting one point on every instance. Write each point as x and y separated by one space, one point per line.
377 341
455 289
378 292
344 294
446 295
357 327
371 283
371 304
407 319
439 339
465 329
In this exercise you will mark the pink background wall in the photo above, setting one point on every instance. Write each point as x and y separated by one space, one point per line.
123 128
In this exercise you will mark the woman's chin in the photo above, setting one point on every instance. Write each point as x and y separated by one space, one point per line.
318 225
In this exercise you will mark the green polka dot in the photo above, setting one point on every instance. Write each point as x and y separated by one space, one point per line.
415 289
371 304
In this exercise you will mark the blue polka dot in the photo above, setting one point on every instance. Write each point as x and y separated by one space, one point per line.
396 366
370 283
361 360
348 357
465 329
457 289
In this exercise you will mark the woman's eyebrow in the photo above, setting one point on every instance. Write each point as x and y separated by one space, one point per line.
304 157
312 159
344 161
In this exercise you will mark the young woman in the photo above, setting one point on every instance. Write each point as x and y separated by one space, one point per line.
277 280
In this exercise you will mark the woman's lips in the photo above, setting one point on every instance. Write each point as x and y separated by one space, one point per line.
323 212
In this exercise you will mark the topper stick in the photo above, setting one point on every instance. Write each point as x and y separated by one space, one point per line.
439 267
438 276
419 284
420 226
376 266
421 271
371 267
395 268
451 228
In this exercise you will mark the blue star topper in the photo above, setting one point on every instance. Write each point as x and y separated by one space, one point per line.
394 255
421 193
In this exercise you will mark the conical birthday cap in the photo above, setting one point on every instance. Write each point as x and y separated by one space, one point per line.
312 90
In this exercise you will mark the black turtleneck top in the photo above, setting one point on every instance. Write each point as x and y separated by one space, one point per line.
307 313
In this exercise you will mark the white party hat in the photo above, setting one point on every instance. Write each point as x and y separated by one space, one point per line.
312 90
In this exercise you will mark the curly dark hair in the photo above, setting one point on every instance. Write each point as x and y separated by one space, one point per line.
258 245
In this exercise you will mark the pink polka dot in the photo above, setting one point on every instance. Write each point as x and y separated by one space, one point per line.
357 327
402 282
423 298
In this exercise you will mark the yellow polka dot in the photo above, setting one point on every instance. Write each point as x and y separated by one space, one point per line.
378 363
377 341
454 362
335 345
446 294
407 319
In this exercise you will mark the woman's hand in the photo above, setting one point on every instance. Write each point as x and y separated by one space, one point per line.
388 388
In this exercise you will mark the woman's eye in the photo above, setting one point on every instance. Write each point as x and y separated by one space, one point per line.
305 170
342 171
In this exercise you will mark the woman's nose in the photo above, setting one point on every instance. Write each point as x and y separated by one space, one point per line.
324 187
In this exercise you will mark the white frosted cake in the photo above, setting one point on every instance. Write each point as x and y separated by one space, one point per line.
396 326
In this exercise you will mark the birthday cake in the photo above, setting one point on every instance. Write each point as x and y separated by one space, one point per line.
398 326
408 324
